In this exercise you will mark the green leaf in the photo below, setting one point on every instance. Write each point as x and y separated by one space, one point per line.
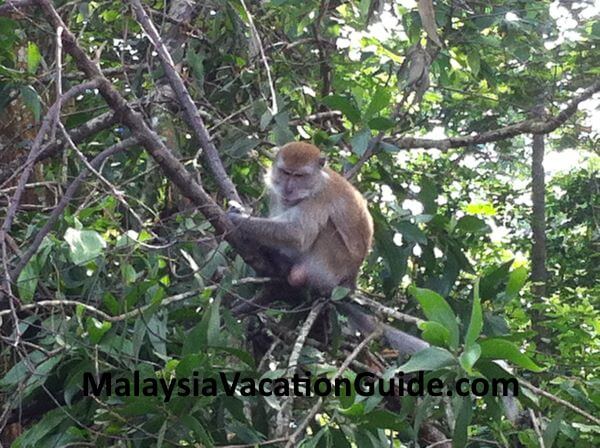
84 245
431 358
345 105
437 309
196 62
32 436
339 292
380 99
472 224
33 57
516 280
435 333
551 430
493 280
242 146
461 425
474 62
411 232
494 348
381 124
97 329
476 322
265 119
29 276
214 323
199 431
364 6
469 357
360 142
481 208
32 101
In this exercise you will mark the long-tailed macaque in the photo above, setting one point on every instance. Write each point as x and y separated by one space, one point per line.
321 230
317 220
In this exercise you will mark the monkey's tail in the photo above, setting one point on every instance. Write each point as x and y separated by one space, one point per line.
403 342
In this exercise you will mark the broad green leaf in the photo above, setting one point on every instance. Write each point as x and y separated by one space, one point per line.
474 61
381 124
494 348
411 232
196 62
365 5
84 245
461 425
214 323
469 357
552 428
437 309
516 280
97 329
344 105
33 435
472 224
242 146
339 292
435 333
381 98
431 358
34 57
360 142
32 101
200 432
492 282
30 275
481 208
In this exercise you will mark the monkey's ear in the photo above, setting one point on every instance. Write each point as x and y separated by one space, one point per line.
322 161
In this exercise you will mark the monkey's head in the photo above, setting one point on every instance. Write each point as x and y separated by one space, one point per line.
297 172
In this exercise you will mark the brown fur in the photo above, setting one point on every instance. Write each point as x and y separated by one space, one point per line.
318 220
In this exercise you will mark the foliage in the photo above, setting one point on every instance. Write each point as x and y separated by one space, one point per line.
144 285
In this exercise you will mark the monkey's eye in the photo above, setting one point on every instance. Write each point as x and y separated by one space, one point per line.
298 175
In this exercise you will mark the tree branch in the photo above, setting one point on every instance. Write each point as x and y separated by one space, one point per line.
190 111
529 126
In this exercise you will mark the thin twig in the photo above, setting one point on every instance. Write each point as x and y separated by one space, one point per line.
284 415
559 400
256 37
311 414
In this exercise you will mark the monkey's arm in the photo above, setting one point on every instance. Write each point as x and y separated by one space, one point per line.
277 232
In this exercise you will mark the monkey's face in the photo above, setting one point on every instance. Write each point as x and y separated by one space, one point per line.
297 173
293 186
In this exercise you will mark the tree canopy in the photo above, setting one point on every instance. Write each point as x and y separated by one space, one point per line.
127 129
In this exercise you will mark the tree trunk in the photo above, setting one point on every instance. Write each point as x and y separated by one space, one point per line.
538 218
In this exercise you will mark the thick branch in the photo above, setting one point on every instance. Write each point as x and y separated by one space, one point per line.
190 112
530 126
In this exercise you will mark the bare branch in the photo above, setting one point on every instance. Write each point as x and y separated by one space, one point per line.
190 111
529 126
285 412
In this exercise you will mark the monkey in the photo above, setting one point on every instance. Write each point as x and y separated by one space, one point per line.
317 221
320 229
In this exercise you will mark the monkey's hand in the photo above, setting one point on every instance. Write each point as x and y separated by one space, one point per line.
236 213
237 210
